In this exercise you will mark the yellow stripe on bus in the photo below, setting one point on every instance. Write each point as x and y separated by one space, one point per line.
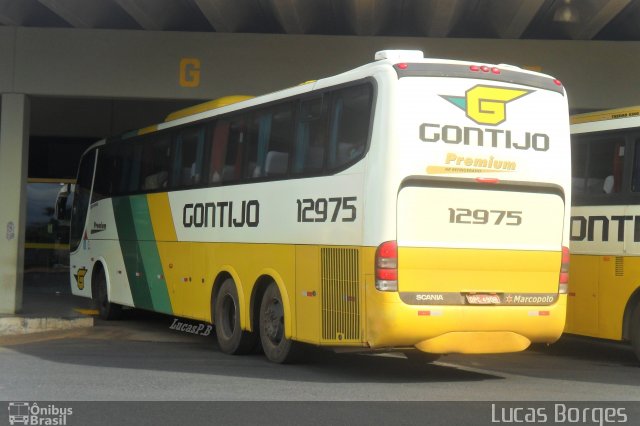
48 246
206 106
161 219
606 115
149 129
50 180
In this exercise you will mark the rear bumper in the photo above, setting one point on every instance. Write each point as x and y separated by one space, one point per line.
459 329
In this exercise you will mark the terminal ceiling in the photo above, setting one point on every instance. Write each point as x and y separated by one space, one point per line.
506 19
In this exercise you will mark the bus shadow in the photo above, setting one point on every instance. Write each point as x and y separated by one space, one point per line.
571 359
323 365
591 350
145 341
326 366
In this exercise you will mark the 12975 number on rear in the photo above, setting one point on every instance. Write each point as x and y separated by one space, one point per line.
485 217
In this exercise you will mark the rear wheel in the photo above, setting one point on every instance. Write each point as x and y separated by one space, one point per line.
635 331
100 295
276 346
231 338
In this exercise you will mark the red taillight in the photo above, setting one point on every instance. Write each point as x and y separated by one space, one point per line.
487 180
557 82
387 266
566 257
563 281
484 68
387 274
402 66
388 250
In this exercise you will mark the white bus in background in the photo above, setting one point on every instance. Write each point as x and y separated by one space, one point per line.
411 204
604 301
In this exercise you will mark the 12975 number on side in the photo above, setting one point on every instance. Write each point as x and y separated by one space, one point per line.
327 209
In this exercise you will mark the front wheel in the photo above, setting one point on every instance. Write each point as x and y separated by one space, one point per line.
276 346
231 338
100 295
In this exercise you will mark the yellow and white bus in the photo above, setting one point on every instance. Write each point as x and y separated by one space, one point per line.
604 293
411 204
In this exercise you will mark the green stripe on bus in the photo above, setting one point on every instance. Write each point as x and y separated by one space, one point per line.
131 253
151 263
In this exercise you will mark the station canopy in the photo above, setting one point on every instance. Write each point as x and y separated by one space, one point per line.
505 19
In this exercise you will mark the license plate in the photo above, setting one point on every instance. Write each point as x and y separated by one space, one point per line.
483 299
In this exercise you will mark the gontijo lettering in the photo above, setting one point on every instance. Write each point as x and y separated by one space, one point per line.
584 228
495 138
221 214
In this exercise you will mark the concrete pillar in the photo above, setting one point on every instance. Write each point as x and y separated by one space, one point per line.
14 153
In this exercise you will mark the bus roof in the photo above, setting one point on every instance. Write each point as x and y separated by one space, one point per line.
206 106
610 114
385 57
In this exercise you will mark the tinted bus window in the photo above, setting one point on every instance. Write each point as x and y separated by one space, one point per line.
271 147
81 199
106 172
129 157
218 151
239 135
349 126
154 166
188 157
598 166
311 136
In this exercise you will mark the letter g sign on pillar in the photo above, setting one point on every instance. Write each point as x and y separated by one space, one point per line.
190 72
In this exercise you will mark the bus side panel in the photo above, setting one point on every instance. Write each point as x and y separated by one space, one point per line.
308 293
141 257
600 287
618 278
102 243
604 271
582 310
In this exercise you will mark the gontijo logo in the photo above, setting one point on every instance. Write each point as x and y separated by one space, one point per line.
486 104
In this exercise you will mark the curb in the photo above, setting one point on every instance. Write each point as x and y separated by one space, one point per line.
12 326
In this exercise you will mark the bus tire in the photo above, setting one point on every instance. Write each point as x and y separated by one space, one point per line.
635 331
277 348
231 338
107 310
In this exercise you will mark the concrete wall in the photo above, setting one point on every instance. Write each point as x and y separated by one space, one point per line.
96 118
147 65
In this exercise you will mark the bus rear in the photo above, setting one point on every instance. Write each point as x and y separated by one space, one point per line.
479 178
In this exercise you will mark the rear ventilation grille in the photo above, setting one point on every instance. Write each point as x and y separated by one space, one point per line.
619 266
340 295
